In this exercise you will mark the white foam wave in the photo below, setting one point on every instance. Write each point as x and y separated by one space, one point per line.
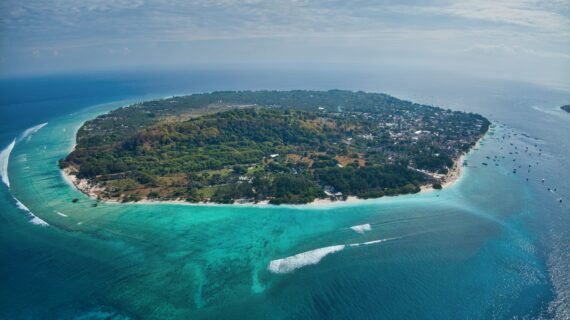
35 219
29 132
311 257
4 157
303 259
61 214
361 228
370 242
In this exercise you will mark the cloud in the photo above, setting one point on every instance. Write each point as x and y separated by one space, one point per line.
181 31
506 50
527 13
67 20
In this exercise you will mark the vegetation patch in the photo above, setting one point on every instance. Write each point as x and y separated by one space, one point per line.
285 147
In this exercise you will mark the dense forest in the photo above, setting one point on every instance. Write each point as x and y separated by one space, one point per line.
285 147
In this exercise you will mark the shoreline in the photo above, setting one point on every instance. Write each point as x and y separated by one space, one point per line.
450 178
84 186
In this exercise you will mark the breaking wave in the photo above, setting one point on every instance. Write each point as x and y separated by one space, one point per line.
5 154
370 242
29 132
297 261
34 218
311 257
4 157
361 228
61 214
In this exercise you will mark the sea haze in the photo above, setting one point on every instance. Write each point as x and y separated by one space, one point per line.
493 245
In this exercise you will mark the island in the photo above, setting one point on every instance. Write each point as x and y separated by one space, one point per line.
277 147
566 108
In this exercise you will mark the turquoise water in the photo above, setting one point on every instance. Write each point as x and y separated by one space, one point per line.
491 246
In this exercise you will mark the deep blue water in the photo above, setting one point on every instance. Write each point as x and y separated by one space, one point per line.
492 246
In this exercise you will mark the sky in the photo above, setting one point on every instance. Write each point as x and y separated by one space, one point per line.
526 40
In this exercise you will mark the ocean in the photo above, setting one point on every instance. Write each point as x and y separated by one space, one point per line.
494 245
